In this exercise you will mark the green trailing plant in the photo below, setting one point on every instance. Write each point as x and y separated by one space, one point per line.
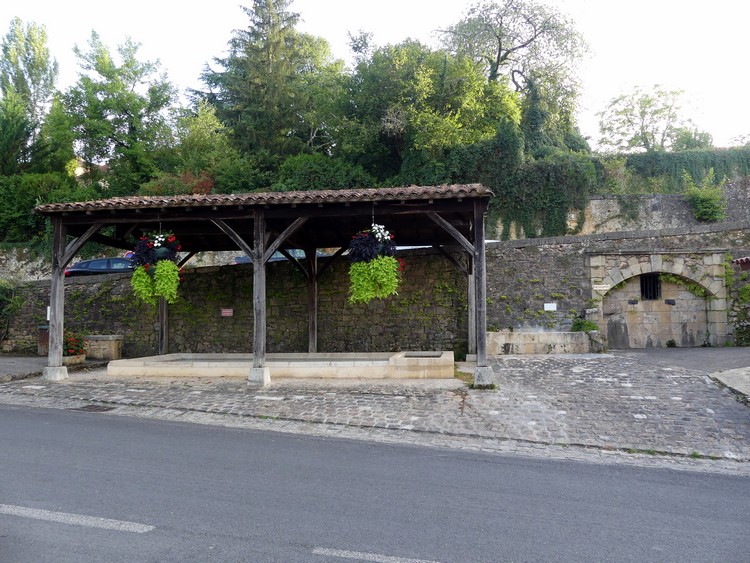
156 273
376 279
166 280
374 272
143 285
693 287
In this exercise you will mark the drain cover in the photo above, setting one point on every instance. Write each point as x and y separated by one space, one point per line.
93 408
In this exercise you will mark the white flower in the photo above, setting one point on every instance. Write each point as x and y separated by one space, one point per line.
380 233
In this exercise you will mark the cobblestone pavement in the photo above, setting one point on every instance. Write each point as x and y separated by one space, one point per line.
604 408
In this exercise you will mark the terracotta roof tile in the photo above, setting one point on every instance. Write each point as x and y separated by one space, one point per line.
272 198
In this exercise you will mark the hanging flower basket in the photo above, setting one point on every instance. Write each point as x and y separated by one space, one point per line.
156 273
374 272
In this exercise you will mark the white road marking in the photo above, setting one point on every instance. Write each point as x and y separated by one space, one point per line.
75 519
376 557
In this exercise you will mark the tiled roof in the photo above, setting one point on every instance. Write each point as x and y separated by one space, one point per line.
413 193
744 262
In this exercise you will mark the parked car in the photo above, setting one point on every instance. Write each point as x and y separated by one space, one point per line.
100 266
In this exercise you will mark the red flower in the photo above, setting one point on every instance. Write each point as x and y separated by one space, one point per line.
171 238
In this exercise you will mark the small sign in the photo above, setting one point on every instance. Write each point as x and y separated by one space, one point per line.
602 287
227 312
550 306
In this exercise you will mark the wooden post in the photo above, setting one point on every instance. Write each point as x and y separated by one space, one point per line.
480 285
163 327
259 291
312 300
472 298
55 371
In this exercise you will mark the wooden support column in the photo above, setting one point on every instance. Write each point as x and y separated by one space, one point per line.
311 256
482 373
55 371
260 372
163 327
472 300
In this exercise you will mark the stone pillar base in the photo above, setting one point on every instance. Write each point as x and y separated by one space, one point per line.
55 373
483 376
259 376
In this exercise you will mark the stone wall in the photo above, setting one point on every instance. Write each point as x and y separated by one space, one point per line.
430 311
535 284
543 284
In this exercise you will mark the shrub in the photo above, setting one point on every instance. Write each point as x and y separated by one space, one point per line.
583 325
707 200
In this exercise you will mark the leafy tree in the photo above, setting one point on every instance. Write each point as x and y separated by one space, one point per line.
19 195
536 48
118 113
202 140
56 138
690 138
647 121
406 99
515 37
27 68
320 172
267 87
16 130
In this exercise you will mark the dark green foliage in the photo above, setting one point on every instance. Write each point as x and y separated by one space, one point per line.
16 130
583 325
320 172
546 189
243 175
10 303
726 163
706 199
20 194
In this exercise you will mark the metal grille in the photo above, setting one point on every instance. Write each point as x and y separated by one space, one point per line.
650 287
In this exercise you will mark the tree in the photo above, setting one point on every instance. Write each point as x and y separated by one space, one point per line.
119 113
407 101
648 121
266 88
56 139
27 69
15 134
690 138
537 49
513 38
202 141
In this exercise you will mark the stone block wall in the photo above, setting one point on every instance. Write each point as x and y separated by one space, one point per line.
533 284
430 311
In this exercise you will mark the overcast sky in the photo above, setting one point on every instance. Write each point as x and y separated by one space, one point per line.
700 48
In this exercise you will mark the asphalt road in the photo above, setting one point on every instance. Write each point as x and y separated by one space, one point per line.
79 487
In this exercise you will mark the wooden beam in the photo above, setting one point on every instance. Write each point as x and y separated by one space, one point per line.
452 259
330 261
296 263
75 245
452 231
237 239
289 231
